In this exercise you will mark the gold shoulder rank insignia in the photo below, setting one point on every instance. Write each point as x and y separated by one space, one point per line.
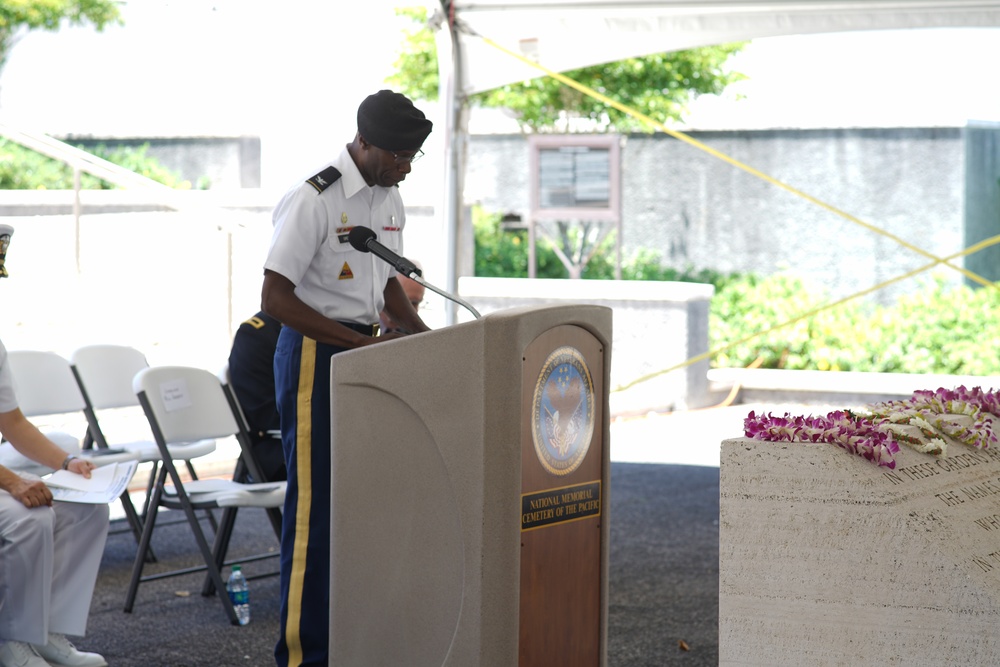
345 273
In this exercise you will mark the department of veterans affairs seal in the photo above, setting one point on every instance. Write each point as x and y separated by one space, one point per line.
562 412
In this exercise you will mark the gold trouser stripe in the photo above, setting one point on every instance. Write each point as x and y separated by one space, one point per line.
303 504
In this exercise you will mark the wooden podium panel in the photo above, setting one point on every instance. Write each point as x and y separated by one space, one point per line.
562 500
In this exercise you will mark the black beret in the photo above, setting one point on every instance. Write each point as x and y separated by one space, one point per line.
389 121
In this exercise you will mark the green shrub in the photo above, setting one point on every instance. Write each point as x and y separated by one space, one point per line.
944 329
24 169
502 253
938 329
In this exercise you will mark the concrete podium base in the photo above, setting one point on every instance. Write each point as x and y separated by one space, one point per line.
827 559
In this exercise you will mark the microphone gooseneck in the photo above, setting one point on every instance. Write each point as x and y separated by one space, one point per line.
364 239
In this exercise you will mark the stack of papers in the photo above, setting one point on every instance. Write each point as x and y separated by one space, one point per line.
104 486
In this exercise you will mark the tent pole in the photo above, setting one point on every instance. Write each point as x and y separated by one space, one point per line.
449 92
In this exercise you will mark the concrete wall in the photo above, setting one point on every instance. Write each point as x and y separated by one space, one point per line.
697 210
934 188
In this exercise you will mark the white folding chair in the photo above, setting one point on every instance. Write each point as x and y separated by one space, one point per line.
247 469
46 389
104 374
185 404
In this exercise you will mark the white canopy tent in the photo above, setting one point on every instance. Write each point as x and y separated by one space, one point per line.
479 39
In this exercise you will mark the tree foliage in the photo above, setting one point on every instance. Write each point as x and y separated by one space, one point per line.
659 85
416 66
17 16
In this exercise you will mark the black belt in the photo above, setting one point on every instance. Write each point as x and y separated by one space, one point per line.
366 329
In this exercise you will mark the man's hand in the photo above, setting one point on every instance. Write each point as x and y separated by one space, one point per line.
390 335
32 493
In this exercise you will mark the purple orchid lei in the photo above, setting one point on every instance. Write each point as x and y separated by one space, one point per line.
927 422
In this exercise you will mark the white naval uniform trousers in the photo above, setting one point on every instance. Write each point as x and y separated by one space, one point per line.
49 557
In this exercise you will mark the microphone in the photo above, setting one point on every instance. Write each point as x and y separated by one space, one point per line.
364 239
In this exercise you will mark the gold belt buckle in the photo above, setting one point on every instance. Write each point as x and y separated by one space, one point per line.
376 329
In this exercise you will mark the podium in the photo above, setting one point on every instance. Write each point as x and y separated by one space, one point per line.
469 494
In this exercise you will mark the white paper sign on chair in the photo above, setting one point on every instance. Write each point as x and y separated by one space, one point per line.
175 395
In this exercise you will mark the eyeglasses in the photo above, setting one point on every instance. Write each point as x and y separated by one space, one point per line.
406 159
399 159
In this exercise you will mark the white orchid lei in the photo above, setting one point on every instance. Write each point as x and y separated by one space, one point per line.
928 421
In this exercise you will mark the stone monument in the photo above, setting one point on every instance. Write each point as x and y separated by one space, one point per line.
827 559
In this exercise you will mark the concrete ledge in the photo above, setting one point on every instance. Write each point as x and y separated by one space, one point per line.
841 388
657 325
589 290
60 202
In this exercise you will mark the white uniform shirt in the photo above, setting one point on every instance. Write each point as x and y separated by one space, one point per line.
310 247
8 401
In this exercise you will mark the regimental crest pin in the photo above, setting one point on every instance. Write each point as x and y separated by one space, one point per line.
343 218
346 273
562 413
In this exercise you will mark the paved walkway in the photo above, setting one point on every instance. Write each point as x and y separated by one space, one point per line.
663 606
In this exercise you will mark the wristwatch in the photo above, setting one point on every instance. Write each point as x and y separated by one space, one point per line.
65 463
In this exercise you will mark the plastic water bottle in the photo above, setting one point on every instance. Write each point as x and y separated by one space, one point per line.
239 594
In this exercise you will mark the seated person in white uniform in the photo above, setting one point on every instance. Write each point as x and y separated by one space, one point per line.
49 551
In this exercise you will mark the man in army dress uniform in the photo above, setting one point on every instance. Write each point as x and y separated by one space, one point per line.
328 297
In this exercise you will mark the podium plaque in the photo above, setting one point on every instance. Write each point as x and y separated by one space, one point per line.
561 500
